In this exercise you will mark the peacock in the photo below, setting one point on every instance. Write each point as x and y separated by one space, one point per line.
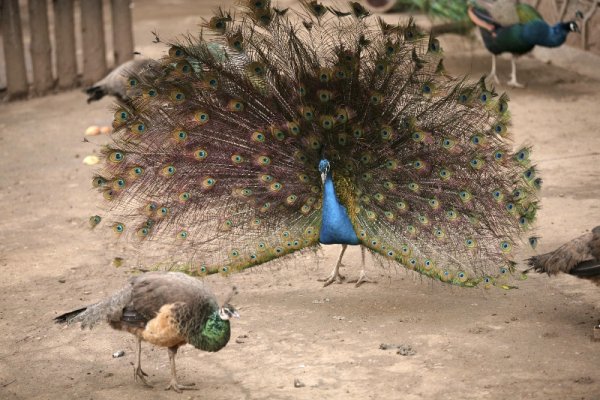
165 309
516 29
321 125
580 257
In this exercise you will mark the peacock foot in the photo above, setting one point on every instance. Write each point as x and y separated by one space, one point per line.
362 278
138 373
179 387
335 276
515 84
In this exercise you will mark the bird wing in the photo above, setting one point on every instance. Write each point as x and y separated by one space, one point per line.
482 19
528 13
152 290
565 258
497 13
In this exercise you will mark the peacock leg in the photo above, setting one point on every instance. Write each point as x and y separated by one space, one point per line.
138 372
174 384
335 275
493 71
362 277
513 75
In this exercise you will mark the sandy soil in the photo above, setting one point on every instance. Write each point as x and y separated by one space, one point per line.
530 343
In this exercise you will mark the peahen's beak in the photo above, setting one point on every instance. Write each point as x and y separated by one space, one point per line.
235 314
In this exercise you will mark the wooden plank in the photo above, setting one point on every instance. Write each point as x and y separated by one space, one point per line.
64 32
40 47
12 39
122 31
94 48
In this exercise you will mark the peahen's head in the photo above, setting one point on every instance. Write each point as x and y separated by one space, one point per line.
324 168
227 312
215 332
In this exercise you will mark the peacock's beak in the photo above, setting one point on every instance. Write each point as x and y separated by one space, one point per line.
323 177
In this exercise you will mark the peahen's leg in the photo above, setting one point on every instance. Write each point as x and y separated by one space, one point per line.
493 71
138 372
513 75
362 277
176 386
335 275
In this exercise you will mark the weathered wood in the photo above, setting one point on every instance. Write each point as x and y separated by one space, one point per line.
122 30
12 39
94 49
40 46
64 32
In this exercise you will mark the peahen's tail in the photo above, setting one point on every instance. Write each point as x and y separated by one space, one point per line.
110 308
69 316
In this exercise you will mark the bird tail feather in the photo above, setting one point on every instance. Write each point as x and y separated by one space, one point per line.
108 309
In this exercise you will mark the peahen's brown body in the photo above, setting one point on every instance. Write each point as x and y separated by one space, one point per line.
164 309
277 130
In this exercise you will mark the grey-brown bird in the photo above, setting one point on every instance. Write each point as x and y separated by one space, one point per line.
117 82
579 257
167 309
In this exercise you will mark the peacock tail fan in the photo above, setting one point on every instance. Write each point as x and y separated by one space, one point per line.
216 157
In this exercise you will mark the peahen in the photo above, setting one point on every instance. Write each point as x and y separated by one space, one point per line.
580 257
115 83
317 126
515 29
165 309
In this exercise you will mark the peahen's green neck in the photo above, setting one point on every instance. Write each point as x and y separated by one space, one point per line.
214 334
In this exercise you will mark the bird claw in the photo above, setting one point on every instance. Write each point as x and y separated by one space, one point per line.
138 373
362 278
179 388
515 84
333 277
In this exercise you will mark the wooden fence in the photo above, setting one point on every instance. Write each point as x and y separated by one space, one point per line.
59 43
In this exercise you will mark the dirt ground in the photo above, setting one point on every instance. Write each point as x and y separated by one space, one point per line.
530 343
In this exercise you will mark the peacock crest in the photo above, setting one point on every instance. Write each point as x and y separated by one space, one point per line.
217 154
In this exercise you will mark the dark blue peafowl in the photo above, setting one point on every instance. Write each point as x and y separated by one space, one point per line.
516 29
321 125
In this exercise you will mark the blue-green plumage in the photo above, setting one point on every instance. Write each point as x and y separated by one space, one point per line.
522 38
336 227
515 28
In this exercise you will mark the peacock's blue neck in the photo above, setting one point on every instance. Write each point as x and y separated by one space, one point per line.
542 34
336 227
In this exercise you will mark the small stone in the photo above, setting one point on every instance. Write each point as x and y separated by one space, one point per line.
298 383
62 280
406 350
118 354
91 160
92 131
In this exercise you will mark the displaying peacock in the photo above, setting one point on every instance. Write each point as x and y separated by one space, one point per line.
165 309
516 29
317 126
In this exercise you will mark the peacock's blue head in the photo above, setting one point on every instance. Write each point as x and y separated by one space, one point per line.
553 36
324 168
